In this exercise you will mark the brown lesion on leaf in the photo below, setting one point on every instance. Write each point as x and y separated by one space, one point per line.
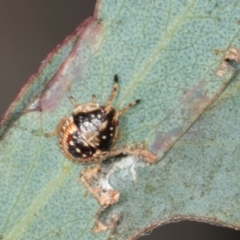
233 55
138 150
100 227
96 181
105 195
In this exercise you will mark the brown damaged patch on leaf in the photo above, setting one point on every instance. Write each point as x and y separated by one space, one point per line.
96 180
89 173
99 227
138 150
233 55
105 196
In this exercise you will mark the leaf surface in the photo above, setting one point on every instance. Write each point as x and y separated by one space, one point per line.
163 53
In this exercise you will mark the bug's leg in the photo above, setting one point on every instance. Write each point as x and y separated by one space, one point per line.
128 106
58 128
120 112
115 152
138 151
114 91
73 101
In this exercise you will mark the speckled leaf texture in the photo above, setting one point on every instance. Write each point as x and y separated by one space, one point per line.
165 54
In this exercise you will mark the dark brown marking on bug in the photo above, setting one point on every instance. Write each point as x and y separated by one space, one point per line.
78 147
106 135
90 120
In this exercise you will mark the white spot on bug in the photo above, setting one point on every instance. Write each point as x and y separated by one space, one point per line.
84 155
92 116
78 150
71 143
104 137
99 116
111 128
111 134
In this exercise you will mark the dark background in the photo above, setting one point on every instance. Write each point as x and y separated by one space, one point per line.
29 30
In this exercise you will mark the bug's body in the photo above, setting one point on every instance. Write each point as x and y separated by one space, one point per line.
90 133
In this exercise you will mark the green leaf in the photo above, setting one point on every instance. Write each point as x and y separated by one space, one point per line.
163 53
